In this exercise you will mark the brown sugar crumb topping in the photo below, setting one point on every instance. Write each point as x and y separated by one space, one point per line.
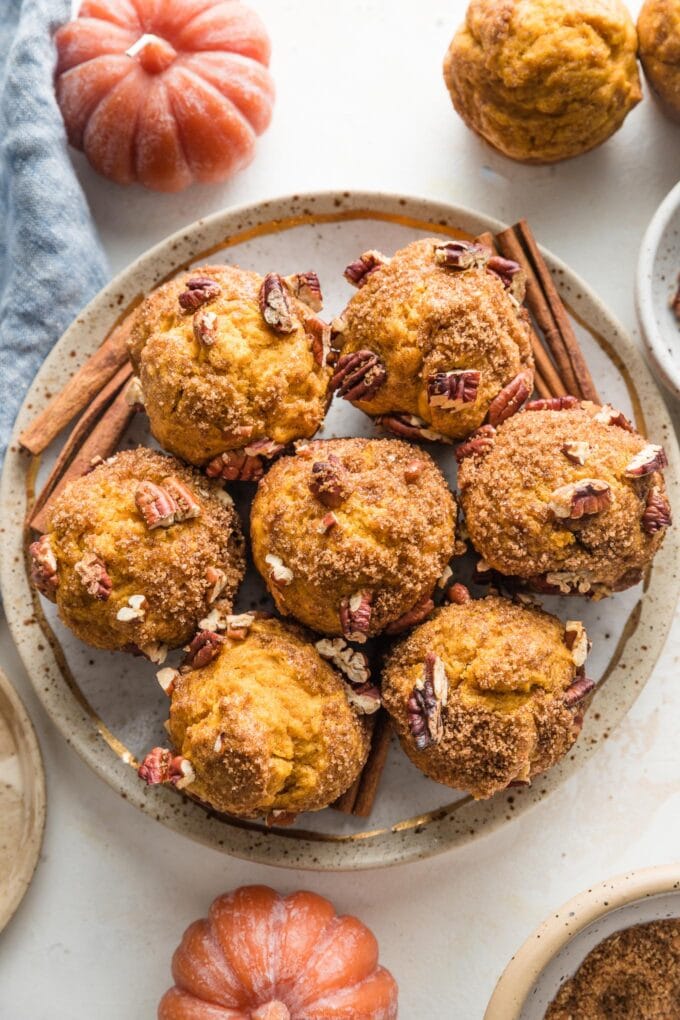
632 975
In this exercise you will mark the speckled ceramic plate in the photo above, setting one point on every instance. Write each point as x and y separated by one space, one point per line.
22 801
558 947
109 706
656 284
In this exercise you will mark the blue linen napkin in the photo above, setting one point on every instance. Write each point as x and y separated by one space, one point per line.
51 262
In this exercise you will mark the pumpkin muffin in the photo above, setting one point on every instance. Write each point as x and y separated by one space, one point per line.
136 552
434 339
659 34
544 80
351 535
569 501
231 366
260 723
487 693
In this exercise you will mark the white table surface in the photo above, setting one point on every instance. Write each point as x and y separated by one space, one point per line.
361 104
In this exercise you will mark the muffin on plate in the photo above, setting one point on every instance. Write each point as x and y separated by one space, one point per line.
260 723
136 552
434 339
487 693
351 535
231 366
659 34
569 501
544 80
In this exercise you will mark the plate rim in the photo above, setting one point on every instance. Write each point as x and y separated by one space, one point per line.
180 813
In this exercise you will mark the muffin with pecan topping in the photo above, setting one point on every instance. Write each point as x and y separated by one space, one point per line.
351 535
435 340
569 500
136 552
659 33
260 723
232 367
487 693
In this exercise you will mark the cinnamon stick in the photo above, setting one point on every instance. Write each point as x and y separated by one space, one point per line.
79 390
374 767
101 442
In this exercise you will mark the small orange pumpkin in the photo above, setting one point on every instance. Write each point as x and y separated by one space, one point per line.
261 956
164 92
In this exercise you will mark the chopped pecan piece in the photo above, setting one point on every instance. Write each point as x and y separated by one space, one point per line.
561 582
355 616
134 610
510 398
92 572
217 579
657 513
205 328
358 272
552 404
478 444
134 397
281 818
364 699
187 506
167 678
280 574
461 255
609 415
275 306
200 291
44 567
413 471
348 660
244 465
576 640
458 594
410 427
358 376
326 523
306 288
416 614
651 458
155 504
576 452
579 690
511 275
330 482
205 647
453 390
162 766
580 499
426 702
154 651
320 333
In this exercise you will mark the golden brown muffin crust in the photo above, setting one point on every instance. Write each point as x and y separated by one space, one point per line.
267 725
251 382
506 496
421 319
659 33
544 80
97 517
391 537
508 668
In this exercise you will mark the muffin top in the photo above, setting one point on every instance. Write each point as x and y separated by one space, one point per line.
140 546
543 80
573 499
445 333
496 708
659 34
227 359
351 533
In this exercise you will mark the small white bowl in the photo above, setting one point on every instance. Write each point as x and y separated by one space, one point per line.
558 947
656 283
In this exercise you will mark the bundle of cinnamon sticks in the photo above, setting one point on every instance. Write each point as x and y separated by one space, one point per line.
97 394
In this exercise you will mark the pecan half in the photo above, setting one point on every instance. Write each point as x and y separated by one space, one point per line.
426 701
358 272
552 404
306 288
244 465
579 690
416 614
461 255
657 513
156 506
205 647
187 505
280 574
330 482
275 306
92 572
511 275
410 427
576 640
651 458
350 661
453 390
576 452
478 444
510 398
358 376
162 766
609 415
44 567
458 594
355 616
200 291
205 328
364 699
580 499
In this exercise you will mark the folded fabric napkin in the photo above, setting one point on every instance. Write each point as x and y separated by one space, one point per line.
51 262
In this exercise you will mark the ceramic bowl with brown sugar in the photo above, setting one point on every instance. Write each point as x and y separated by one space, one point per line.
558 947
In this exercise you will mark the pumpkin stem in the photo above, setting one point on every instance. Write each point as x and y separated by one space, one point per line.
274 1010
152 52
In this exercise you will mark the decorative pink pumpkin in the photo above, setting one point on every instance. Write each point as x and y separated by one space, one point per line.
261 956
164 92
